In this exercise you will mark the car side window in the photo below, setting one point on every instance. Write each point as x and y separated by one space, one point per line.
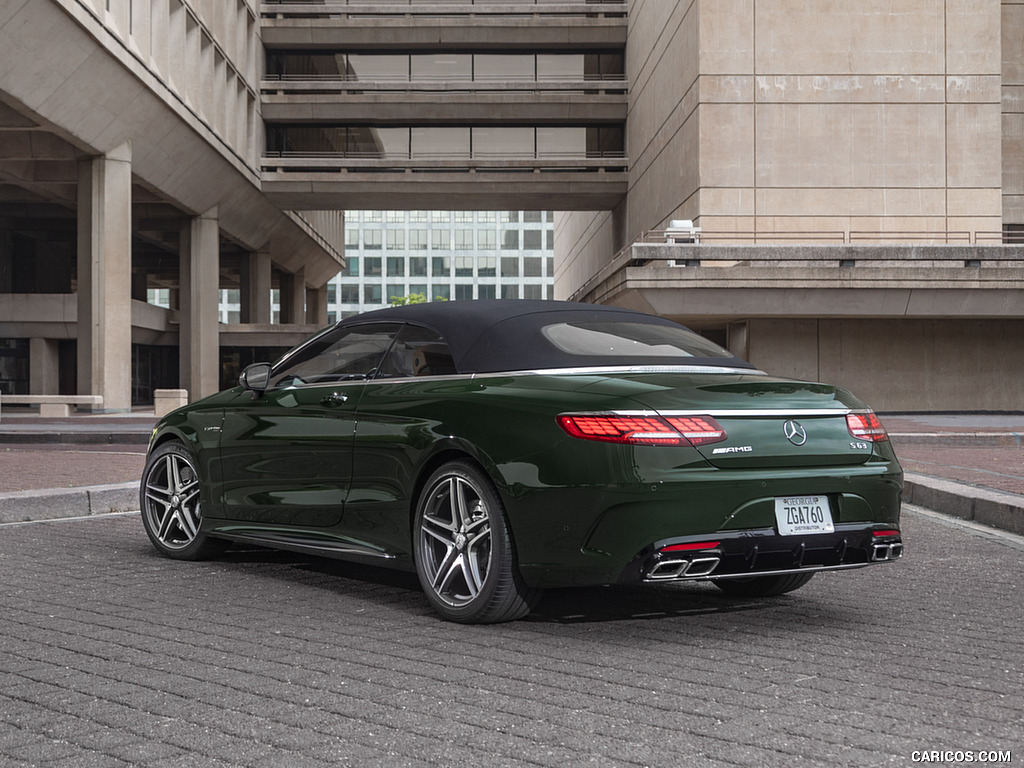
417 351
346 354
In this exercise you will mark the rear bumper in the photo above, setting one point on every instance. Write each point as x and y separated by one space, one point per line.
739 554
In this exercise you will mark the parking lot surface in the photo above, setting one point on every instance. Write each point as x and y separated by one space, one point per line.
113 656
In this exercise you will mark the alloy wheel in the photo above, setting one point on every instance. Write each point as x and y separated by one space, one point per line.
172 501
455 540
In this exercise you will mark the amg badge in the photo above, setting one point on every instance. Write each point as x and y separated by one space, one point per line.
734 449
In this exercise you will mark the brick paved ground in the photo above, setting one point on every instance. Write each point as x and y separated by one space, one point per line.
29 467
113 656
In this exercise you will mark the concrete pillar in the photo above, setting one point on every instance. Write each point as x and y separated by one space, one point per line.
44 367
255 288
293 297
316 306
199 335
104 279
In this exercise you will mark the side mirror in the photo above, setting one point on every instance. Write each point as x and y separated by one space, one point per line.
255 377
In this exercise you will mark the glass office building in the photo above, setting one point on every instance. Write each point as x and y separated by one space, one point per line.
450 255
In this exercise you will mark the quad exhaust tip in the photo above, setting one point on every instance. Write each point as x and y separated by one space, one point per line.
882 552
663 570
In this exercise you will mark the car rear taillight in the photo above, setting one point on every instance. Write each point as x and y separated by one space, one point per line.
866 426
643 430
699 430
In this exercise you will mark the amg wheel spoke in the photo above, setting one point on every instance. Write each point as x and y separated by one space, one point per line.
447 569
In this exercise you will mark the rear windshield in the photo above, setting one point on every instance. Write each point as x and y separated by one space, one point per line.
625 339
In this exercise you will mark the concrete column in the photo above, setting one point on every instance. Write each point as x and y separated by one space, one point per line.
199 340
44 367
255 288
104 279
293 297
316 306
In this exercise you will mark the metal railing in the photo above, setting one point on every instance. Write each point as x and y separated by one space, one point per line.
846 237
952 250
287 9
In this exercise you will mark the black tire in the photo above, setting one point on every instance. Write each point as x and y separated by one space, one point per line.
464 552
763 586
169 497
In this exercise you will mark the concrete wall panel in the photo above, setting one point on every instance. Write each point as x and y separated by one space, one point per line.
850 37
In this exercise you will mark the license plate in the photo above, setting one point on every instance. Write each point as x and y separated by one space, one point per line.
797 515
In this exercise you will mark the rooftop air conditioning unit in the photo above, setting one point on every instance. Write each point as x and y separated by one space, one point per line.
682 231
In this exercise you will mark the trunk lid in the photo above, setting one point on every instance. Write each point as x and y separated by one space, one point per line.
768 422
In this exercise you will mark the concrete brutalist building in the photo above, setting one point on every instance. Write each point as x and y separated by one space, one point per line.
852 171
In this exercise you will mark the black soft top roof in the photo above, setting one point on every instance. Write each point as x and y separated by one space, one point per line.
495 335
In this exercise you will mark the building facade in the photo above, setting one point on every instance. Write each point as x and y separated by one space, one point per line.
854 169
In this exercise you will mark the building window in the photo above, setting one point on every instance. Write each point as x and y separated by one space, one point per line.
371 294
463 266
463 292
533 216
441 240
510 291
417 266
532 266
418 217
351 266
440 217
395 291
420 289
396 239
486 291
417 239
533 291
510 240
487 266
351 237
487 240
332 293
532 239
349 294
441 292
441 266
372 264
396 266
463 239
371 239
510 266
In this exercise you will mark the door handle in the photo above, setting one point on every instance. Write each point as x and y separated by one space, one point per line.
333 400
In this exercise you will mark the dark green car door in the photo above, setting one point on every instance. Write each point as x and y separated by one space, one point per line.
286 454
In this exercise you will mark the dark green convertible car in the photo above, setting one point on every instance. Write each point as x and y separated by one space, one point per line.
502 447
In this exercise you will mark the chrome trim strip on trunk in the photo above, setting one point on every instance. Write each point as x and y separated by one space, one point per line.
751 412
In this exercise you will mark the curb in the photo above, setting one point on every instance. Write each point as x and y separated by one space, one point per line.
75 438
958 439
56 503
996 509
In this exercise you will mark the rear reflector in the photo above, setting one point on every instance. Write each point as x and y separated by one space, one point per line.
643 430
697 545
866 426
885 532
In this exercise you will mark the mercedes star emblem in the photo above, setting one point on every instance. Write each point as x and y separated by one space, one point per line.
795 432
